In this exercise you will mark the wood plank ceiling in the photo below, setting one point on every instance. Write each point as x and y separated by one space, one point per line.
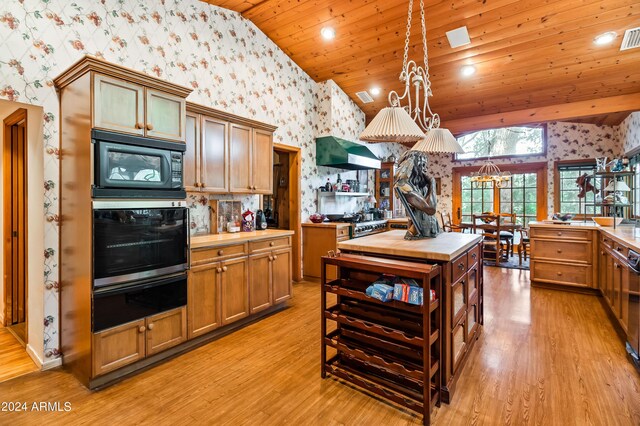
528 53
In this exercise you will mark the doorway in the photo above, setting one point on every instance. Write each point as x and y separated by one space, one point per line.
15 223
283 208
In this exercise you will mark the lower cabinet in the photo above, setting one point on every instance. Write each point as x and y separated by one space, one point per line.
234 289
203 299
127 343
281 275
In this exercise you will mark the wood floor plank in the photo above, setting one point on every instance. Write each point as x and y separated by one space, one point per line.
14 361
545 357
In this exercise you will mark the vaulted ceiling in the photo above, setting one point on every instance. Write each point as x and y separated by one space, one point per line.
530 55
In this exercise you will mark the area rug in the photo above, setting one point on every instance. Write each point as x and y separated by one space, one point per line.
510 263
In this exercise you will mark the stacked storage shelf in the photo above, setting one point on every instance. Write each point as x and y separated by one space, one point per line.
391 349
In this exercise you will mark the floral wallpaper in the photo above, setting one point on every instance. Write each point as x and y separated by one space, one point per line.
629 132
565 141
230 64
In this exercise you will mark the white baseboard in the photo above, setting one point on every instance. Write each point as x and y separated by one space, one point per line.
44 365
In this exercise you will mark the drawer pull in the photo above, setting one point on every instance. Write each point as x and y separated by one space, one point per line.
617 266
559 234
220 252
559 251
142 329
474 256
272 243
461 266
619 248
559 274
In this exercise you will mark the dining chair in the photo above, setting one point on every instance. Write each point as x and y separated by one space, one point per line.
507 236
448 225
524 247
492 244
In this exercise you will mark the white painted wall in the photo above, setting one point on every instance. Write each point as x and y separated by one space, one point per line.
35 226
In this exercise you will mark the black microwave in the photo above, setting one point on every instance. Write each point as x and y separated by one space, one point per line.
136 167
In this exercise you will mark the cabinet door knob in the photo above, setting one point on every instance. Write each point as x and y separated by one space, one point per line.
220 252
275 257
249 187
142 329
270 258
149 126
219 270
254 187
139 126
150 327
224 269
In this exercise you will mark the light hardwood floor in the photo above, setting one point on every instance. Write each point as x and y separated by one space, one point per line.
14 360
545 357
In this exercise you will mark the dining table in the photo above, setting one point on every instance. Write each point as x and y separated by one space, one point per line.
511 227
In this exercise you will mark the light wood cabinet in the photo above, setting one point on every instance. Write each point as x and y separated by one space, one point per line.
214 173
281 270
260 282
227 156
191 164
166 330
118 346
563 257
122 106
234 289
118 105
317 241
240 142
203 300
165 115
262 170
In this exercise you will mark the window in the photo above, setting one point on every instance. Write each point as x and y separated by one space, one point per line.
525 194
520 197
508 141
567 200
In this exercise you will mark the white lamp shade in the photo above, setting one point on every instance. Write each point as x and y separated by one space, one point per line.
392 124
617 185
438 140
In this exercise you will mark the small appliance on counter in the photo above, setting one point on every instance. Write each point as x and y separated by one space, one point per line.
261 221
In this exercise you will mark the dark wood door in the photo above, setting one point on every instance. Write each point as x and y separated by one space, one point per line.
15 216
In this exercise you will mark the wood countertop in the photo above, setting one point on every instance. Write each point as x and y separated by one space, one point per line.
326 224
445 247
216 240
398 220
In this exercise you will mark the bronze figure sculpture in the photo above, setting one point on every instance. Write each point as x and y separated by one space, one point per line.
416 189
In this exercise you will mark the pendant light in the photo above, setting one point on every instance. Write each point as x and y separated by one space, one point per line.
409 123
490 173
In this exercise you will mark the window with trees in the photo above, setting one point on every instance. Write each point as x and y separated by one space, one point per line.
508 141
567 190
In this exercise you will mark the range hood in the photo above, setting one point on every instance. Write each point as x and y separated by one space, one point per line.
343 154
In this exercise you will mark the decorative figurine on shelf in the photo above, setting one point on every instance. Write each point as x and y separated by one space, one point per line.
248 221
417 192
584 183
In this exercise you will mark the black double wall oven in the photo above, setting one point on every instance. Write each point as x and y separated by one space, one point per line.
140 229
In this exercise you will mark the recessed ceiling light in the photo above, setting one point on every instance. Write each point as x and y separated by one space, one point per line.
605 38
328 33
375 91
468 70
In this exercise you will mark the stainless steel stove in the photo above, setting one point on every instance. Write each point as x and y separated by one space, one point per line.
362 229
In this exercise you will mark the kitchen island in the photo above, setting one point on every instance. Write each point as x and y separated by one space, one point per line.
459 257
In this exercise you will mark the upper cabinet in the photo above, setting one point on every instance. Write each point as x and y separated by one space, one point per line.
125 107
227 154
118 105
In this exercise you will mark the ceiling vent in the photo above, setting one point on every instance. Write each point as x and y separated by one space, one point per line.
458 37
631 39
365 97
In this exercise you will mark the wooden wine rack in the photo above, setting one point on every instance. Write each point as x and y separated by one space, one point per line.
391 349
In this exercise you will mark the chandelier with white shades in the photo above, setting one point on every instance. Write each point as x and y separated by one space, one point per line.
414 122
